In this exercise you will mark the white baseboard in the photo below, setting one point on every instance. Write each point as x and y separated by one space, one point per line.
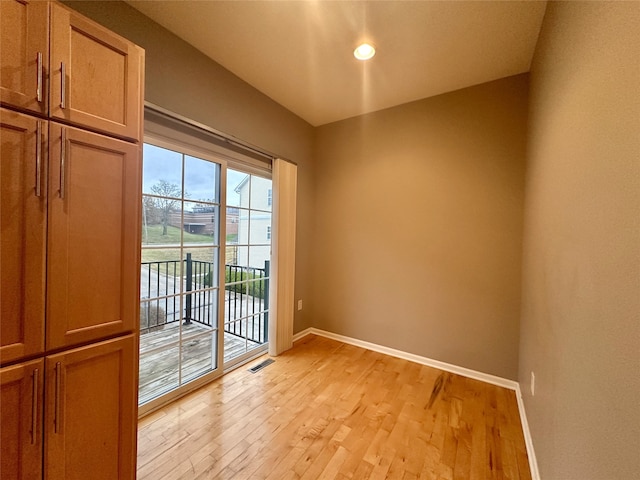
528 440
303 333
447 367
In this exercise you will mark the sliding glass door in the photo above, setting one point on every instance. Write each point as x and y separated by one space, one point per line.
247 264
205 269
179 291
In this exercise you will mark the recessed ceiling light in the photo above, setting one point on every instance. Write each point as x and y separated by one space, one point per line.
364 52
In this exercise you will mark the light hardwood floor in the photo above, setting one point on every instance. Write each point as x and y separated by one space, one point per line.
329 410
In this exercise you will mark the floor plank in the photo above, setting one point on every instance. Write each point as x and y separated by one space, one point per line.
329 410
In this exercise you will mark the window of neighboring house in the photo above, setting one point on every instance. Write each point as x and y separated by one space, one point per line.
269 203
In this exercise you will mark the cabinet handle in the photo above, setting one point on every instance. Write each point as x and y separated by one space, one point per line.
56 418
38 158
34 408
63 151
39 89
63 86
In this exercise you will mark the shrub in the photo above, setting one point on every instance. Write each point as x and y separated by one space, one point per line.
257 288
151 316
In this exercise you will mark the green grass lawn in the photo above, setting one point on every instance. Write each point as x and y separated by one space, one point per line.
152 235
169 254
160 255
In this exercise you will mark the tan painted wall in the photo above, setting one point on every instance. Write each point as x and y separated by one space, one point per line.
580 330
419 226
183 80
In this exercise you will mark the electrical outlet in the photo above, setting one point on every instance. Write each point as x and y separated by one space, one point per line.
299 304
533 384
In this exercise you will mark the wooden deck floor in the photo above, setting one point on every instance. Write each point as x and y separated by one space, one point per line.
329 410
159 356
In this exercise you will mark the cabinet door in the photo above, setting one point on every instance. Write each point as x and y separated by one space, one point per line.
93 265
23 206
24 43
96 76
21 420
90 412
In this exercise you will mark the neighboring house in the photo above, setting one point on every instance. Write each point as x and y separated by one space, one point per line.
232 225
231 253
201 220
254 227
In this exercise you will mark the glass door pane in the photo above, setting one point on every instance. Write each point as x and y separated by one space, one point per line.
248 256
179 288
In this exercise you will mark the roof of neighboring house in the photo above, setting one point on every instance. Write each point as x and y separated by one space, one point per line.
241 184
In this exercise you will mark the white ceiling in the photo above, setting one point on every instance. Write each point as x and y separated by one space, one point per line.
300 53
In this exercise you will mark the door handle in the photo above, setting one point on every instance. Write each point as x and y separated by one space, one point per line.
39 74
38 158
63 154
56 413
34 408
63 86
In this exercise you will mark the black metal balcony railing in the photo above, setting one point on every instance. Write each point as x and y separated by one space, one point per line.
246 296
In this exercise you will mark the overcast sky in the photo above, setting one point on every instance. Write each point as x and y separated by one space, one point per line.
200 176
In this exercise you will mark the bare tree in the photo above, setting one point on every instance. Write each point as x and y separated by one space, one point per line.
151 212
164 204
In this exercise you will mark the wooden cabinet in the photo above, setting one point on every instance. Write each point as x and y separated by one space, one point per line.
95 76
89 421
21 388
23 203
90 412
24 43
56 62
70 204
93 238
91 199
